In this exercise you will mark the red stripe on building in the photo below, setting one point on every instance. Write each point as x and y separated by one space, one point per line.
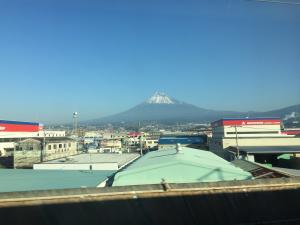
250 122
246 122
291 132
18 128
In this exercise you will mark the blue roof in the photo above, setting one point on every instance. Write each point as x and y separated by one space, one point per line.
19 122
12 180
182 140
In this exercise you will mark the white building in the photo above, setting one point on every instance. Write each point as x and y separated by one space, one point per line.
28 142
249 132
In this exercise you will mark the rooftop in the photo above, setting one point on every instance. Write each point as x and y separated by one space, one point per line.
268 149
18 122
28 180
121 159
186 166
260 171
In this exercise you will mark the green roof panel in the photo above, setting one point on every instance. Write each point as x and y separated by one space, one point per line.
29 180
186 166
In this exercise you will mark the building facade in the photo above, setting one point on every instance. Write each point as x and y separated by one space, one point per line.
29 143
246 132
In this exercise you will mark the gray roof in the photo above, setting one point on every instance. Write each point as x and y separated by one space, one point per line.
121 159
260 171
270 149
293 172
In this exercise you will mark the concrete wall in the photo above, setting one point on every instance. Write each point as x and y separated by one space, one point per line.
18 134
28 158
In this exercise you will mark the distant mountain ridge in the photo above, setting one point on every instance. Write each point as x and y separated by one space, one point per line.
161 107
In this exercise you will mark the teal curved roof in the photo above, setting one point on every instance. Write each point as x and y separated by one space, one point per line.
186 166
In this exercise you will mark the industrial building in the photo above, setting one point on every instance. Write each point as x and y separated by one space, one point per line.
179 165
35 150
249 138
29 143
150 142
110 145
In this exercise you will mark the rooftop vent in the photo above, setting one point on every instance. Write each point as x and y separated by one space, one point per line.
178 147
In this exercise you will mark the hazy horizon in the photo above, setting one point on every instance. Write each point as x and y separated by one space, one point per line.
104 57
83 116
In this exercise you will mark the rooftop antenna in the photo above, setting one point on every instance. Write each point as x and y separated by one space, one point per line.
75 122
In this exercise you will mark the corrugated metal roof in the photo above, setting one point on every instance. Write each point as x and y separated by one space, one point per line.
187 166
28 180
259 171
269 149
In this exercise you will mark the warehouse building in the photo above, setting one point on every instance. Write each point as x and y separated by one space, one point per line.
35 150
261 140
249 132
29 142
179 165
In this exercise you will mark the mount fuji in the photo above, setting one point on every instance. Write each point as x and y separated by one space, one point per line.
161 107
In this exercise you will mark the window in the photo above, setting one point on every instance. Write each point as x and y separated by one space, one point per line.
54 146
69 144
60 146
49 147
65 145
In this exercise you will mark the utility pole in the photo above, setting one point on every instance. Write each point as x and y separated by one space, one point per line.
44 146
237 142
141 145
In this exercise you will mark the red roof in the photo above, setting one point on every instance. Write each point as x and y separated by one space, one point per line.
134 134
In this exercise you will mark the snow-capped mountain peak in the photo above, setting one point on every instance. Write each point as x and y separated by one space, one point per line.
160 98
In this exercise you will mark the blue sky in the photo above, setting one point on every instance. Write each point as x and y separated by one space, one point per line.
102 57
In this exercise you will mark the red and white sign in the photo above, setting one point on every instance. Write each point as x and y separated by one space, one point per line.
244 122
15 126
